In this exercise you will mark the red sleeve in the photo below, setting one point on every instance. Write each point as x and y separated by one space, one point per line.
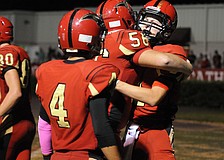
161 85
127 41
138 54
164 82
173 49
101 77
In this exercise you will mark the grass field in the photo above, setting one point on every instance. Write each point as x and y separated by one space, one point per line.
199 141
199 135
201 114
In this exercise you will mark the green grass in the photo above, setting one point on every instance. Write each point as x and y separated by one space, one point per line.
195 139
201 114
199 145
200 139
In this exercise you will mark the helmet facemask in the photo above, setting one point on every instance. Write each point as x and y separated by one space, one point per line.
165 27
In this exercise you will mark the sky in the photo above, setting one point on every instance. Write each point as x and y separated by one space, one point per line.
54 5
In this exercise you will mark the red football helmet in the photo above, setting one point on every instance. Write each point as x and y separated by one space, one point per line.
116 14
6 30
80 30
162 11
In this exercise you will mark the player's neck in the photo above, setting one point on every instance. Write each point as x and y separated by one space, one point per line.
75 58
4 44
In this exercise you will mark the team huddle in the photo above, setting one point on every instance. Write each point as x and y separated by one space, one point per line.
119 74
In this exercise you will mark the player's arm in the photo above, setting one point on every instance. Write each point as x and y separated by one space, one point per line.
102 128
151 96
155 59
133 42
13 82
44 131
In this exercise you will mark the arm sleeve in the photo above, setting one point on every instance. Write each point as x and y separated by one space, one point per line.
101 124
172 49
43 114
165 82
138 54
44 131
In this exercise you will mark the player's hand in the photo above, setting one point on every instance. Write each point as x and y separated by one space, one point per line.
47 157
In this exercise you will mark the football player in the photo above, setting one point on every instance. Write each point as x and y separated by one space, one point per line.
128 49
74 93
17 125
155 111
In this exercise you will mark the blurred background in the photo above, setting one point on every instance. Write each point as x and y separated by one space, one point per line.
200 119
200 29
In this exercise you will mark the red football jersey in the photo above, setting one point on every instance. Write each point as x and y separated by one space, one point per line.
151 77
64 90
174 49
119 48
12 56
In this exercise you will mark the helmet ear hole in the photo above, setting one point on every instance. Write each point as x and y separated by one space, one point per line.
167 34
95 46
